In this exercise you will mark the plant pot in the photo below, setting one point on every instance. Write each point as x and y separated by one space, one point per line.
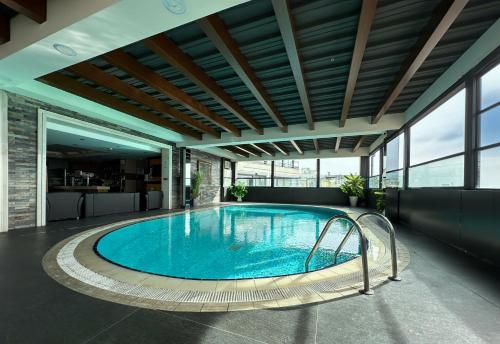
196 202
353 200
239 199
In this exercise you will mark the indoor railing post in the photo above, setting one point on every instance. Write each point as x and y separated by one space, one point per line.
392 235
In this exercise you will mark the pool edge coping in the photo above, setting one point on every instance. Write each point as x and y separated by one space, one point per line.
187 291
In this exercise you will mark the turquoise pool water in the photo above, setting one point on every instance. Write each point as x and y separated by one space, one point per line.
231 242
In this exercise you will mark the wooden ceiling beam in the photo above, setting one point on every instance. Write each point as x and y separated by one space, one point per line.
287 28
442 19
278 147
89 71
170 52
236 151
33 9
217 32
72 86
249 152
127 63
337 144
297 147
316 145
358 143
4 28
265 151
368 9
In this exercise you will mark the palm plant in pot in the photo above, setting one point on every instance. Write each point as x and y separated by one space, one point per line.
239 191
195 189
353 186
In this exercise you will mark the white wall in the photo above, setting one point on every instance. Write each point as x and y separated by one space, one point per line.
4 164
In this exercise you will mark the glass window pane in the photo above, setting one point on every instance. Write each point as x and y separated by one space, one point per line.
440 133
374 182
394 179
187 168
395 153
254 173
489 168
448 172
227 177
375 163
333 170
490 87
490 127
295 173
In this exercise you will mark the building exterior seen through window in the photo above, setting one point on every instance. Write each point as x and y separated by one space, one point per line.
297 173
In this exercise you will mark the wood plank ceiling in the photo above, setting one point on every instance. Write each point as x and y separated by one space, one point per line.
274 63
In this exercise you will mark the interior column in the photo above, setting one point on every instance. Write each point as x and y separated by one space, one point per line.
4 163
166 177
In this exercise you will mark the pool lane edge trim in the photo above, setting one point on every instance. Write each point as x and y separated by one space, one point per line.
73 263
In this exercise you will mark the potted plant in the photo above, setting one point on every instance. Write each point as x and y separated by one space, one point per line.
195 189
239 191
353 186
380 201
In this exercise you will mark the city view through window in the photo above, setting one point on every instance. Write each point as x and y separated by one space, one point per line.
297 173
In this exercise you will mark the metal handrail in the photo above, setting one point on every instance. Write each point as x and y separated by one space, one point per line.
364 254
392 235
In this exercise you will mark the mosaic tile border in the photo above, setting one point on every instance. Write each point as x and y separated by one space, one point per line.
73 263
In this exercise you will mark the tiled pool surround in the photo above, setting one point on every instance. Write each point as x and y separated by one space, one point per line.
74 264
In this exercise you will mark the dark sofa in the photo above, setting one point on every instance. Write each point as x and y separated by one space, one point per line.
153 200
98 204
64 205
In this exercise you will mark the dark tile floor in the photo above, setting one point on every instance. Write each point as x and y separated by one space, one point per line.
445 297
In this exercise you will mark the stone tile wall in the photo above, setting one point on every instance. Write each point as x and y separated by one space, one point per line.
211 186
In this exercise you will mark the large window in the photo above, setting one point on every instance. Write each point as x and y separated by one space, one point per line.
489 130
295 173
333 170
226 181
374 180
254 173
437 145
394 162
187 169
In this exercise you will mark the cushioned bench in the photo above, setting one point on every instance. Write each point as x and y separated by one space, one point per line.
98 204
64 205
153 200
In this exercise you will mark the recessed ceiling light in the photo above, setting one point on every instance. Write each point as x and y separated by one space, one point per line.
64 49
175 6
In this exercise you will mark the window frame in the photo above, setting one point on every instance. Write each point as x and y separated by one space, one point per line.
267 179
437 103
319 171
380 151
476 120
273 184
385 170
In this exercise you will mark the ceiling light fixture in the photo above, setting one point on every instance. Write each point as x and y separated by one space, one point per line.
175 6
64 49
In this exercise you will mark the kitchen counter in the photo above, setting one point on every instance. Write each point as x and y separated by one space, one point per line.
86 189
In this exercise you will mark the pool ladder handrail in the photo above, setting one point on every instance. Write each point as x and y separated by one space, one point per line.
362 238
363 241
392 235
